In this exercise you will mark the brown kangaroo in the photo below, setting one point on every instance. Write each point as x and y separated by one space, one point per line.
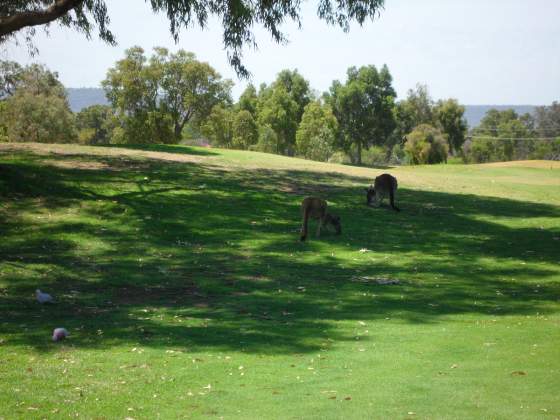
383 184
316 208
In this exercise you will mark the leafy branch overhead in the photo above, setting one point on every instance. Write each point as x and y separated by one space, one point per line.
238 18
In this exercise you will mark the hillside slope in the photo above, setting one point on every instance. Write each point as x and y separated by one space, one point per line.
180 275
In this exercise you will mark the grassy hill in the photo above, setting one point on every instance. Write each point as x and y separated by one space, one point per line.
179 274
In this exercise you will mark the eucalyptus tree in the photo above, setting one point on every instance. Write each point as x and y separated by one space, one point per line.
238 18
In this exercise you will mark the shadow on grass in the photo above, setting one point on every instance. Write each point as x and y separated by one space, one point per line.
192 256
167 148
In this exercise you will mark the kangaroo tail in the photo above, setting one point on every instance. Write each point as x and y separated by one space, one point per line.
392 199
303 236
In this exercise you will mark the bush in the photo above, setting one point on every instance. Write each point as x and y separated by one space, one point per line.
339 157
39 118
398 156
375 155
549 150
268 141
426 145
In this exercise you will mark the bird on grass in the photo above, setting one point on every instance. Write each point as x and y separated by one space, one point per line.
43 297
60 334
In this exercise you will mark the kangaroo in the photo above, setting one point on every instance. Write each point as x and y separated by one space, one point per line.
316 208
383 184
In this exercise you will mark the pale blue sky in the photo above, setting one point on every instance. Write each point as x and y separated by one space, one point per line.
478 51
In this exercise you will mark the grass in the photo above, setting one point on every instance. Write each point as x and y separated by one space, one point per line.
179 274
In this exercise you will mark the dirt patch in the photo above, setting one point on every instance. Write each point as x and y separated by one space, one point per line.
78 164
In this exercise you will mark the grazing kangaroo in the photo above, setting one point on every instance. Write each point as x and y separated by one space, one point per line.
316 208
383 185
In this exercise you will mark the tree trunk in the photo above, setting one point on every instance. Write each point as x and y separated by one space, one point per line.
11 24
359 154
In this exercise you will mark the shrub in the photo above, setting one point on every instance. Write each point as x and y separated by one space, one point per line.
426 145
375 155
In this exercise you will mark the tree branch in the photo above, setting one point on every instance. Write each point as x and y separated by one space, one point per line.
11 24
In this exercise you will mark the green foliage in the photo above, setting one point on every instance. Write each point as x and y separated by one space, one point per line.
416 109
238 18
268 140
364 109
450 116
547 149
95 124
547 119
374 156
426 145
340 157
278 111
316 135
218 127
495 138
245 130
155 99
10 77
3 126
248 101
39 118
35 107
297 88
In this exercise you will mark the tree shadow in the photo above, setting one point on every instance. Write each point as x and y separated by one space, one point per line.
201 257
168 148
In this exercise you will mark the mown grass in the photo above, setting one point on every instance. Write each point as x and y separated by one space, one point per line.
179 274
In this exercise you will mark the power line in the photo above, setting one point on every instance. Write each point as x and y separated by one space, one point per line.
528 129
512 138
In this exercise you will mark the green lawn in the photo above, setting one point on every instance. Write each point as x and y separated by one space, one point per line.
179 274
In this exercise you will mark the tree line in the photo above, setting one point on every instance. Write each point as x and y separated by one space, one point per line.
175 98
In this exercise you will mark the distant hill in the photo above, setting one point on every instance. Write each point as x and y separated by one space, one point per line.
83 97
475 113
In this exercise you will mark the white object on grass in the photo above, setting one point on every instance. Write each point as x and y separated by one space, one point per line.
43 297
60 334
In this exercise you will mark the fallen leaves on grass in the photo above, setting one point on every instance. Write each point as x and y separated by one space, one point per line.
518 373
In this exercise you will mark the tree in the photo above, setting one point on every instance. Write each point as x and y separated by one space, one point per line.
245 130
495 139
248 100
490 123
450 116
364 109
547 120
426 145
218 127
316 135
278 111
190 88
35 107
413 111
155 99
10 76
95 124
238 18
297 87
39 118
268 140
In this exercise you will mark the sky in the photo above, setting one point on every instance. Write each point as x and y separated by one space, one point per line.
499 52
